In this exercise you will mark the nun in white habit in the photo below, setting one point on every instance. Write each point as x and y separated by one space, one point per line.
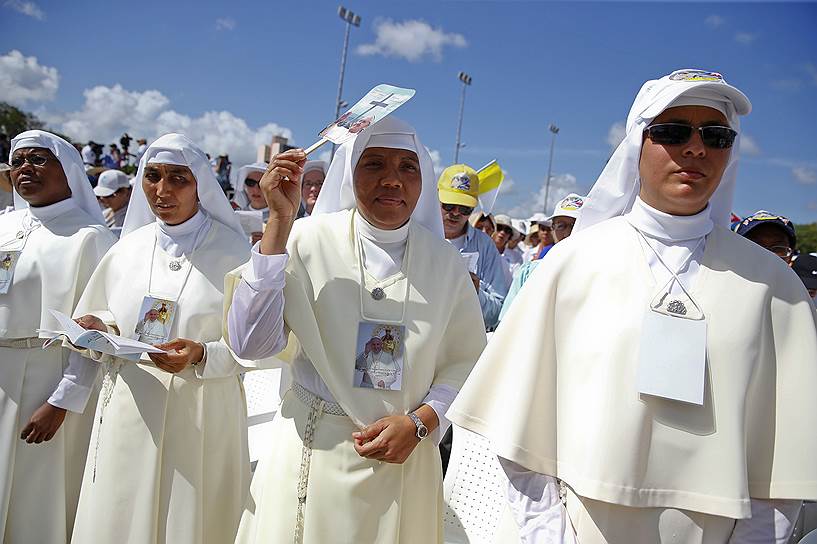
351 463
312 180
168 459
647 409
49 246
248 195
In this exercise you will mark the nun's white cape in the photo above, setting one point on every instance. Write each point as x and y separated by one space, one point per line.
351 499
39 483
168 458
564 402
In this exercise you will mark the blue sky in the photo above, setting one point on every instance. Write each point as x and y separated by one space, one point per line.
230 74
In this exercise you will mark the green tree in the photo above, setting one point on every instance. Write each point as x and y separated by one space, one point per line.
13 121
806 237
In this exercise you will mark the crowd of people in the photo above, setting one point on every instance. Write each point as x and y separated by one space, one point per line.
641 362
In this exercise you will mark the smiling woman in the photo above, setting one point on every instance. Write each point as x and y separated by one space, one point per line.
370 267
387 186
49 246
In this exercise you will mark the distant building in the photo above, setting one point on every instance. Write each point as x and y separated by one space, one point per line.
277 145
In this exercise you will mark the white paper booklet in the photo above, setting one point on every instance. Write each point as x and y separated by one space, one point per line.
105 342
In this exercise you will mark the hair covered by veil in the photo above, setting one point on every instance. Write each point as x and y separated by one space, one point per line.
338 192
614 192
178 149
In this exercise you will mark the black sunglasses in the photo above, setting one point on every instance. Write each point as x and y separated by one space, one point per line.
715 137
250 182
464 210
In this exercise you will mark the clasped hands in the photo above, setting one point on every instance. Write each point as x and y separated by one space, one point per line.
391 439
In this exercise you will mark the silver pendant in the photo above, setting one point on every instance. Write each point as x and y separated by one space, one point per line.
677 307
378 293
175 266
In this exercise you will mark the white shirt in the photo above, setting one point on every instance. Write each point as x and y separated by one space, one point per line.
88 156
260 300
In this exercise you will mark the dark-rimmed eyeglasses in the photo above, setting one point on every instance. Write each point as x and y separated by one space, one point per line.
250 182
716 137
34 160
463 210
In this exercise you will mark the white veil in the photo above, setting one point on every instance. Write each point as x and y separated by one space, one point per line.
614 192
338 188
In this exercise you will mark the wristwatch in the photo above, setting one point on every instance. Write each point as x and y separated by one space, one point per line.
422 430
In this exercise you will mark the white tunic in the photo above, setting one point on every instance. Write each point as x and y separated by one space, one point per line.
643 455
39 483
168 459
350 498
534 497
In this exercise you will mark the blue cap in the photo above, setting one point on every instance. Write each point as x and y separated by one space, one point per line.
762 217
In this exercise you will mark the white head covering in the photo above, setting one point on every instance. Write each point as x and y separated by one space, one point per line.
241 198
316 165
178 149
614 192
569 206
81 191
338 191
111 181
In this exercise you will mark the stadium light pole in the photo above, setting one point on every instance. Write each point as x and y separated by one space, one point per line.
554 131
351 19
466 81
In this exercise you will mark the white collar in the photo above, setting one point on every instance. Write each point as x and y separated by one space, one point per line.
47 213
669 228
380 236
183 230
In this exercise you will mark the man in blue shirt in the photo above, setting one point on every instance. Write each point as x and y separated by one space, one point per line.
458 188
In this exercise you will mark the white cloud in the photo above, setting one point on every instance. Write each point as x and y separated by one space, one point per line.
560 186
748 146
110 111
508 186
745 38
26 8
616 134
804 175
411 40
325 156
23 79
225 23
714 21
437 161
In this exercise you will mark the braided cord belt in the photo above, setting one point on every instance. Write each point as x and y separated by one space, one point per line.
317 407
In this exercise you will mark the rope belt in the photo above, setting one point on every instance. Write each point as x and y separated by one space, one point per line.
22 343
317 407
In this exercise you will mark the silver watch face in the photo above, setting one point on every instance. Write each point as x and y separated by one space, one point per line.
422 431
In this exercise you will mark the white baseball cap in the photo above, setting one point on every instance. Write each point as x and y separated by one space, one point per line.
111 181
657 95
569 206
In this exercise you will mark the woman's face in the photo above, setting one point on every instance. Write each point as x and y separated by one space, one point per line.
680 179
39 185
171 192
311 188
387 186
253 190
